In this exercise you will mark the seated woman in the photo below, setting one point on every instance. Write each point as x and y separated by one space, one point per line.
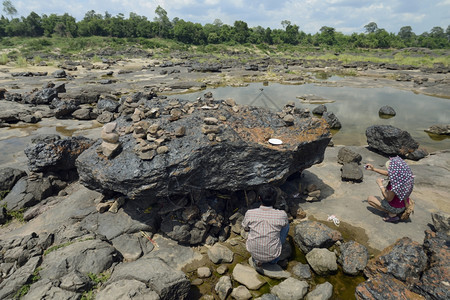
396 193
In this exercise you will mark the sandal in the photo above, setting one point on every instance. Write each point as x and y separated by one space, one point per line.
391 219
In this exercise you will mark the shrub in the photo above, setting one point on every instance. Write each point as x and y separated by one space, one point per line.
3 61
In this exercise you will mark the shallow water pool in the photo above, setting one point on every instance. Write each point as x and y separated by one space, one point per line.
356 108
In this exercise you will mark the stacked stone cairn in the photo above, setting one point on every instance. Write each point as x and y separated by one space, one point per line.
110 146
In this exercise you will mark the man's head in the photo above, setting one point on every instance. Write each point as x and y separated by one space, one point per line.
268 195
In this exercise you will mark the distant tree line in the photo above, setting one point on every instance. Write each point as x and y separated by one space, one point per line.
135 26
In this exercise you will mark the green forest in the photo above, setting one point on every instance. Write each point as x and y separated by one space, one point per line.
189 33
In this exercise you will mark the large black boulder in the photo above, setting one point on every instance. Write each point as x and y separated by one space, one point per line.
59 155
390 140
194 152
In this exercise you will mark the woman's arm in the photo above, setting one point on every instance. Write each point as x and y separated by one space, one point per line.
387 194
379 171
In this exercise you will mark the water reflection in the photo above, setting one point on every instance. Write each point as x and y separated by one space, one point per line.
356 108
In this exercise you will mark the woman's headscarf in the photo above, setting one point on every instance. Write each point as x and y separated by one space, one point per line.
401 178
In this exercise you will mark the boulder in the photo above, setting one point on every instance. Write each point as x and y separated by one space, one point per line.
59 155
248 276
64 108
322 261
404 260
107 105
441 221
122 289
46 289
383 286
45 96
351 172
220 254
241 293
387 111
290 288
59 74
167 282
223 287
353 257
12 284
442 129
234 156
346 155
301 271
332 120
322 291
390 140
319 110
85 256
9 177
311 234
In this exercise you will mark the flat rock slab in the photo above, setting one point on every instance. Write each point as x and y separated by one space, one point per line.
248 276
270 270
348 201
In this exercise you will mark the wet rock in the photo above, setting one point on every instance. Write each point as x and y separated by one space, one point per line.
332 120
167 282
443 129
390 140
319 110
404 260
312 234
353 257
9 177
241 293
351 172
290 288
387 111
322 291
270 270
346 155
322 261
243 154
220 254
122 289
59 155
248 276
301 271
223 287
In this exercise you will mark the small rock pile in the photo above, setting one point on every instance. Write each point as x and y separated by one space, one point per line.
110 146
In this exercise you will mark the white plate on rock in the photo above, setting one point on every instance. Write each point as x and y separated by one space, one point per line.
275 141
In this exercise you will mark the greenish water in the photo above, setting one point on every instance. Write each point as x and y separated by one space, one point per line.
356 108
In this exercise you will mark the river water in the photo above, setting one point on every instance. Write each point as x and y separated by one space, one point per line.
356 108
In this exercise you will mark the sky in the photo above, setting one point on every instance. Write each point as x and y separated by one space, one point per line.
346 16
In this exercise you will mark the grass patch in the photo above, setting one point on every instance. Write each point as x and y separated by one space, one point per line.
26 287
4 59
97 280
54 248
21 62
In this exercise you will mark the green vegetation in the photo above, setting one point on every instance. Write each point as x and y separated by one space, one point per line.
4 60
26 287
53 248
96 279
138 30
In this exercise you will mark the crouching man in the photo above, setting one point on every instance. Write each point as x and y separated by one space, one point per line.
268 228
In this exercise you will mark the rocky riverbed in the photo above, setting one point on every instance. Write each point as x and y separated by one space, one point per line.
148 203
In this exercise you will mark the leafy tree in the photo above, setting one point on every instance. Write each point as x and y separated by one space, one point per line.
163 21
371 27
291 35
189 33
240 32
327 35
447 32
437 32
34 25
9 8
